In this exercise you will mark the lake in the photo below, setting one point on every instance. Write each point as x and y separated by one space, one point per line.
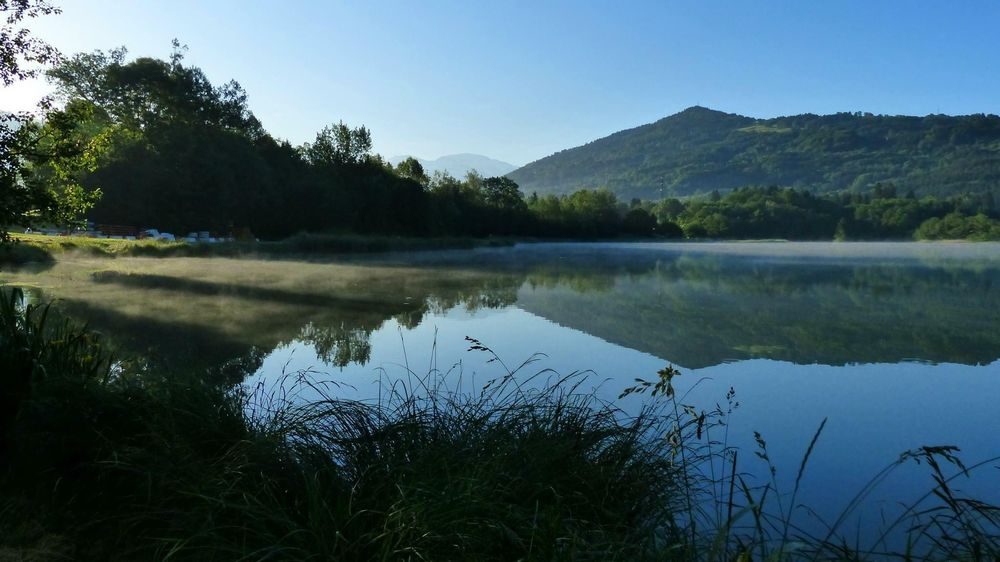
896 345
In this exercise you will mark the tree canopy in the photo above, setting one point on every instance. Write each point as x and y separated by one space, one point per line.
21 56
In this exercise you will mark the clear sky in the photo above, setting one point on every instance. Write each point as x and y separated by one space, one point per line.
518 80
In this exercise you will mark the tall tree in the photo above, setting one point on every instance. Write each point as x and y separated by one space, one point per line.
503 193
180 153
339 144
411 168
70 144
149 93
21 57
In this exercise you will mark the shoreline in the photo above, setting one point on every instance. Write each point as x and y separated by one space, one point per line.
37 248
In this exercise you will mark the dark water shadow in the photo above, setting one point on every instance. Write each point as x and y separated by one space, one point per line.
26 258
208 288
167 346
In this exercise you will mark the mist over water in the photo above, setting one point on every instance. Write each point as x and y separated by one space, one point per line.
897 345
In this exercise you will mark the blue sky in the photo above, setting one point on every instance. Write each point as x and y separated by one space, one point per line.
518 80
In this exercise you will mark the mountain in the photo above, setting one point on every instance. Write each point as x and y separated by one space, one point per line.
458 164
699 150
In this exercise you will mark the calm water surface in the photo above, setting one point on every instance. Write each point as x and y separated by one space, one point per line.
896 345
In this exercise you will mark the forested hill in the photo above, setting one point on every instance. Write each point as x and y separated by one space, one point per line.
701 150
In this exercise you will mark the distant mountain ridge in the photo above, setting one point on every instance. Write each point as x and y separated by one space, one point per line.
699 150
458 164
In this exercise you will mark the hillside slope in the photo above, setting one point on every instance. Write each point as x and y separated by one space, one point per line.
699 150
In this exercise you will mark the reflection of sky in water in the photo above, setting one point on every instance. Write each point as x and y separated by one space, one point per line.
875 411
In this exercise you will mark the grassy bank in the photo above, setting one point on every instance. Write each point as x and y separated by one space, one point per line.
37 248
101 459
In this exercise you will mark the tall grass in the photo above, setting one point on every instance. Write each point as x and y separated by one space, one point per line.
101 460
125 465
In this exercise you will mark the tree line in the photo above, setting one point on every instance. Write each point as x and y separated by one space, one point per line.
153 143
883 214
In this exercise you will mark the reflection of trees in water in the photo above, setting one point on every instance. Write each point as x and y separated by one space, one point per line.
498 290
700 311
494 293
580 282
763 275
694 309
338 346
412 318
226 330
239 368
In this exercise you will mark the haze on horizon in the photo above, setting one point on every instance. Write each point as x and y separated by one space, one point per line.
517 81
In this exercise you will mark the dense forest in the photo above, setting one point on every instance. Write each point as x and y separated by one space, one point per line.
884 214
152 143
700 150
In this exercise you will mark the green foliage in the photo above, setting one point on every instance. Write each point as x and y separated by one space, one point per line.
182 155
21 202
587 213
70 144
700 150
147 94
956 226
19 51
840 234
411 168
20 55
760 213
166 147
639 222
339 145
502 193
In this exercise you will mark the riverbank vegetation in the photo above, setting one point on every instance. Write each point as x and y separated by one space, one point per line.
101 459
772 212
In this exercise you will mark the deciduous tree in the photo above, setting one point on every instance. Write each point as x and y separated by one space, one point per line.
21 56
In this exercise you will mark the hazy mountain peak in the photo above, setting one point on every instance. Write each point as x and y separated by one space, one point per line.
459 164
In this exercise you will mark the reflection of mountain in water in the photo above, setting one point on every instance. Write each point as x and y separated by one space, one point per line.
701 311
